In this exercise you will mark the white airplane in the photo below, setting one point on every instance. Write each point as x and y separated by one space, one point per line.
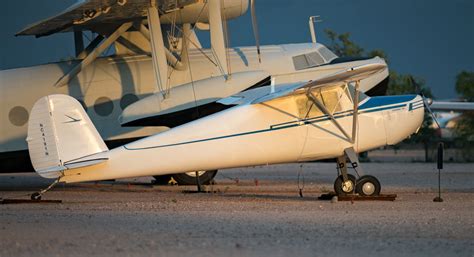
325 118
156 79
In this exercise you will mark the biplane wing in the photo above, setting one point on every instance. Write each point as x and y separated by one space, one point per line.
94 14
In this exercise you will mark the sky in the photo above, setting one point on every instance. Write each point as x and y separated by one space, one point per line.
431 39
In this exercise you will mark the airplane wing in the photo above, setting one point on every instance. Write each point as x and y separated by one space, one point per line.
452 106
261 95
98 15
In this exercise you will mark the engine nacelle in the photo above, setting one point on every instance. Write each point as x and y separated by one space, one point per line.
194 13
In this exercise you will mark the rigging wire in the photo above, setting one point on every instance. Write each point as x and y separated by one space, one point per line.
192 81
189 39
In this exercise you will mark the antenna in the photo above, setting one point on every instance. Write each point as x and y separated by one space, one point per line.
312 20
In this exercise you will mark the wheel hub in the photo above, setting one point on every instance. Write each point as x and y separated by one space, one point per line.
347 186
368 188
193 173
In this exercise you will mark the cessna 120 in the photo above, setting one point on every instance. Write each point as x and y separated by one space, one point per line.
325 118
159 77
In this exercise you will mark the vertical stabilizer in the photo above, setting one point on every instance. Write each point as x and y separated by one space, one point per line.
61 136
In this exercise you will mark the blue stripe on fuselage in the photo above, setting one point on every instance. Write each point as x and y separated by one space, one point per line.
378 101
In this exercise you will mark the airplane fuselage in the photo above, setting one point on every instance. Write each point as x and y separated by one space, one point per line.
272 132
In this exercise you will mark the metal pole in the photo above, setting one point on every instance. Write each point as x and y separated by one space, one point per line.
311 29
440 167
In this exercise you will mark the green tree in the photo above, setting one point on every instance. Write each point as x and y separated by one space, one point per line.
465 88
342 46
465 85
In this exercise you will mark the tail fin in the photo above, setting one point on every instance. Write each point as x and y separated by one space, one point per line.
61 136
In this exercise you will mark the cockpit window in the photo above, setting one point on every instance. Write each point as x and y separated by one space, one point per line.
309 60
327 54
313 59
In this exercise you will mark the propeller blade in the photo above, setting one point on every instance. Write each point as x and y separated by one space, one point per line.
427 107
426 102
255 28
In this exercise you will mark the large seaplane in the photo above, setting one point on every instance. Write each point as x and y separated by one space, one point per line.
159 76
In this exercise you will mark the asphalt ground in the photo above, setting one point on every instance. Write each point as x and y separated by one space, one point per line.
249 212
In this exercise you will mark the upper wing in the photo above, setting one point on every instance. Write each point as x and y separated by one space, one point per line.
346 76
97 15
262 94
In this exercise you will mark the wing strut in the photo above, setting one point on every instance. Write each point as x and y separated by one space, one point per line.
325 111
217 36
355 113
93 55
78 42
172 60
160 66
92 45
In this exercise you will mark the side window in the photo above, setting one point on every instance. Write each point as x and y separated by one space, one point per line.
334 98
306 107
314 59
327 54
300 62
309 60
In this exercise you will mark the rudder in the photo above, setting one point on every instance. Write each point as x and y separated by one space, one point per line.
61 136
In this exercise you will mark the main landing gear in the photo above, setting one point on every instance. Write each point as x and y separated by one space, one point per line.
345 184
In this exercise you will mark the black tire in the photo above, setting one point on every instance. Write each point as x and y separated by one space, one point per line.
162 180
338 185
190 179
368 186
36 196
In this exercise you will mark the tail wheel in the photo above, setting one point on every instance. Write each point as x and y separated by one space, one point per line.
368 186
342 187
189 178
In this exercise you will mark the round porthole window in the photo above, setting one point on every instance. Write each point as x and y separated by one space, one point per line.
103 106
127 100
18 116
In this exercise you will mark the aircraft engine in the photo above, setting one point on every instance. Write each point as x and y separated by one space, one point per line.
199 12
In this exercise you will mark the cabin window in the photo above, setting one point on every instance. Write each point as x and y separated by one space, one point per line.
333 98
306 107
327 54
309 60
336 98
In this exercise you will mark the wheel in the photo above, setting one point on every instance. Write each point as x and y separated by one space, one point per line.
368 186
36 196
344 188
162 180
189 178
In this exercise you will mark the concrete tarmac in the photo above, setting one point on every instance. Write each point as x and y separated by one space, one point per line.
252 212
